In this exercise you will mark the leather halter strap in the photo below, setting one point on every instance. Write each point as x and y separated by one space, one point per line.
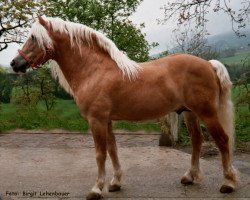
48 50
36 65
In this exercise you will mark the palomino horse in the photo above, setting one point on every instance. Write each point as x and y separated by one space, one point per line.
107 85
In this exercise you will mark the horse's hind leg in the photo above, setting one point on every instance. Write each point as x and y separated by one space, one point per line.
222 140
193 126
115 184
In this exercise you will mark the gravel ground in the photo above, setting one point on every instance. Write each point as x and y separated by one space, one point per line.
65 162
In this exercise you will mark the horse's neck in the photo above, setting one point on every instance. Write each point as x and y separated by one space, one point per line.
79 65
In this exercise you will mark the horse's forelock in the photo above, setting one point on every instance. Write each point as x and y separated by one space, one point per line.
42 36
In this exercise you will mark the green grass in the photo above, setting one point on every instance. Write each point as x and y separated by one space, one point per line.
242 119
238 58
65 115
242 124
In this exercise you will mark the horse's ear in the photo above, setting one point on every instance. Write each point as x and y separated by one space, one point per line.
43 22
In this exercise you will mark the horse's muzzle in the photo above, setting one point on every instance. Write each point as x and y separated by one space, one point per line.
18 64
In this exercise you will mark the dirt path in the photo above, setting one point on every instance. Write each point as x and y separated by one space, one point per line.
62 139
66 163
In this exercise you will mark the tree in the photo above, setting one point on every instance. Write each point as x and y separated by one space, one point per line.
34 87
129 39
5 86
196 11
109 17
46 87
163 54
25 93
98 14
192 17
195 43
14 18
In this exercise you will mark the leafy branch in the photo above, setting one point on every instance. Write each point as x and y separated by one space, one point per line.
196 11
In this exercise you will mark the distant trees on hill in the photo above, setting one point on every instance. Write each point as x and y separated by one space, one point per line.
228 52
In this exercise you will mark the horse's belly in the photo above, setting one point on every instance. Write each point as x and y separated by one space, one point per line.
144 110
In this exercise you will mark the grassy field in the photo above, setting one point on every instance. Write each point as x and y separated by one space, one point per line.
239 57
242 119
66 115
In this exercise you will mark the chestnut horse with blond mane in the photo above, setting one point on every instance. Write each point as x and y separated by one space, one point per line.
107 85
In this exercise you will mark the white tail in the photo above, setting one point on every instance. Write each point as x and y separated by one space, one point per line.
226 109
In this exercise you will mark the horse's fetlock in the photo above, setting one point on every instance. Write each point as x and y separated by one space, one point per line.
118 174
100 185
187 178
231 175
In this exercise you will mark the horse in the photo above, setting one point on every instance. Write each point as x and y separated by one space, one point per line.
108 86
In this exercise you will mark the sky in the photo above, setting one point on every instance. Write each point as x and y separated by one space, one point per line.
148 12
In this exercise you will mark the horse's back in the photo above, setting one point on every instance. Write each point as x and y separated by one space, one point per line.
181 69
178 61
165 85
192 79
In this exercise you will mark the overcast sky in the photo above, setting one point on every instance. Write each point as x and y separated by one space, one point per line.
148 12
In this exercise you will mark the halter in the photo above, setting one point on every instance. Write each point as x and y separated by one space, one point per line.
36 65
48 50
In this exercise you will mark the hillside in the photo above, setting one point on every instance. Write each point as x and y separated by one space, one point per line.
221 42
230 40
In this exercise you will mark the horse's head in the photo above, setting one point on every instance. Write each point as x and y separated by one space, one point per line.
37 49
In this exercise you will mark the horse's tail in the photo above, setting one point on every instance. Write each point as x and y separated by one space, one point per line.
226 109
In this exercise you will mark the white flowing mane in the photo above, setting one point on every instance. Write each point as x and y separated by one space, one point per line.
77 34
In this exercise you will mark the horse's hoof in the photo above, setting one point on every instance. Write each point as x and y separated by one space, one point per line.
226 189
186 181
93 196
114 188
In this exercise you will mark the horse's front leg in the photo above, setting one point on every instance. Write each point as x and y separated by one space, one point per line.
99 130
115 184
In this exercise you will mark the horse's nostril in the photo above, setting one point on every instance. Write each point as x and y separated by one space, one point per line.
12 63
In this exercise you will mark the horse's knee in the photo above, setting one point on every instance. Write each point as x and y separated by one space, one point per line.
101 157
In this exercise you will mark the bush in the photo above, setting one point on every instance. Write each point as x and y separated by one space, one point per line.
5 88
236 70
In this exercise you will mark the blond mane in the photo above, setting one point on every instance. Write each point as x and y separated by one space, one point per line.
77 34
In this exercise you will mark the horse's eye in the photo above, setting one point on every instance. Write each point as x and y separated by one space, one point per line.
33 38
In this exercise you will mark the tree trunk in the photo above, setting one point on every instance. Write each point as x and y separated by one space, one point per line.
169 128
